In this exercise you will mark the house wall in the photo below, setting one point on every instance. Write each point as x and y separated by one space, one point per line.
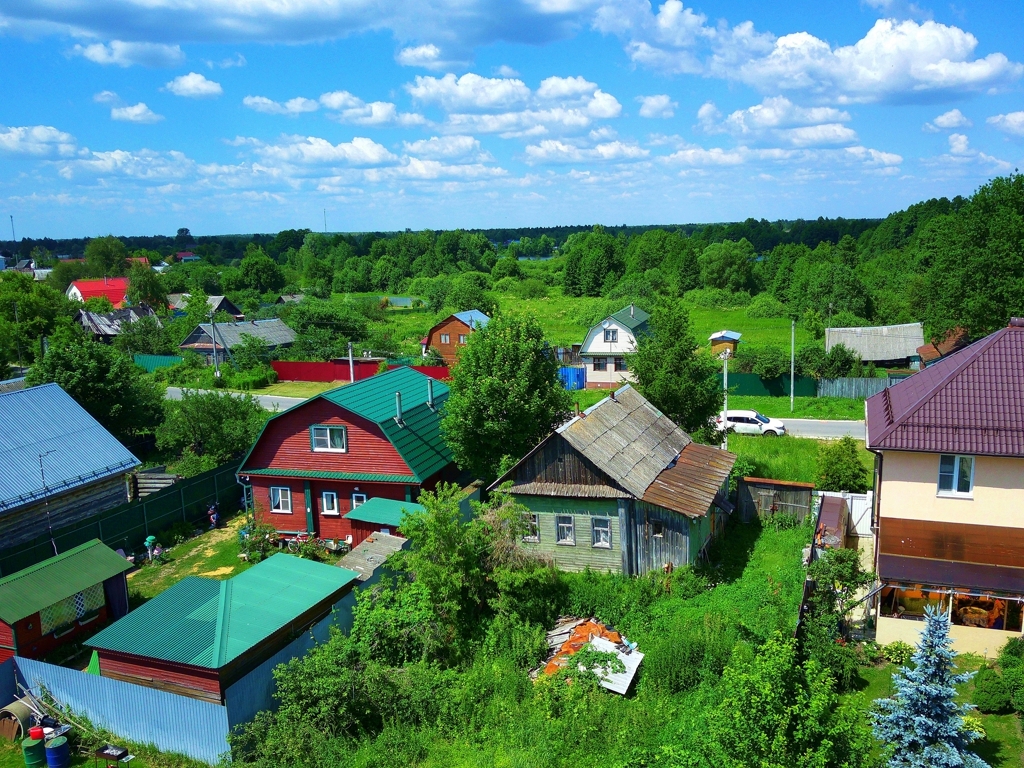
647 551
183 679
608 378
33 644
23 524
583 554
978 640
453 327
556 461
910 483
6 641
595 344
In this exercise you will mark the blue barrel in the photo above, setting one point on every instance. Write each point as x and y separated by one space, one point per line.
58 755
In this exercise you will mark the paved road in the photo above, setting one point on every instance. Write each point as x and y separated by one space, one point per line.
270 402
822 429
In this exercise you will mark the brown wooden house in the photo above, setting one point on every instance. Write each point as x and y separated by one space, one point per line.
452 333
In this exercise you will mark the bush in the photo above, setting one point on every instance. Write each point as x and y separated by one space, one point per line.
506 285
898 652
838 362
991 695
766 305
716 298
531 289
1013 679
771 363
839 467
177 534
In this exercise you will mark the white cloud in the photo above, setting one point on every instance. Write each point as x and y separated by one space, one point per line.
555 151
952 119
1012 123
340 100
292 107
194 86
348 108
565 88
958 144
312 150
447 147
469 92
143 164
659 105
506 71
137 113
818 135
106 97
237 61
778 120
427 56
126 54
38 140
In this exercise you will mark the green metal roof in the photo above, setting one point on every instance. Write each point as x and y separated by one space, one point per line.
209 623
383 511
634 321
29 591
323 474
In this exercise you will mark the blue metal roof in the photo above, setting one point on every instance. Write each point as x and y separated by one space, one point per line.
76 450
474 318
725 336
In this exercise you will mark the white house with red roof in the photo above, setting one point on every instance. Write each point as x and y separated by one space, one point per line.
112 288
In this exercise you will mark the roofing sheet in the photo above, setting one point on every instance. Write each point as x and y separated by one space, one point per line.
370 554
971 402
32 589
632 317
209 623
110 323
384 511
627 438
725 336
44 424
474 318
113 288
272 331
690 485
881 342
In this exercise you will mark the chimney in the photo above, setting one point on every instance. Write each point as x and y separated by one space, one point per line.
1017 322
631 310
398 408
430 393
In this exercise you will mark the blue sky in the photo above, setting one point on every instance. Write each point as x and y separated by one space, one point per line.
142 116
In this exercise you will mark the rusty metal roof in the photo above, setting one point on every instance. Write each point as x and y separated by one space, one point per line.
690 485
971 402
571 490
627 438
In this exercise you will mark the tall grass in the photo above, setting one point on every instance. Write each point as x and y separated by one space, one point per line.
786 458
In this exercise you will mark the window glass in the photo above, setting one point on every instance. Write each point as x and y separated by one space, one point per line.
602 530
909 603
956 474
611 334
620 364
280 499
947 465
330 500
986 611
328 438
565 528
357 499
762 418
462 338
963 482
600 363
531 532
445 338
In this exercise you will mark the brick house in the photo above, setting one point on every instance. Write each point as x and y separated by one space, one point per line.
453 332
377 438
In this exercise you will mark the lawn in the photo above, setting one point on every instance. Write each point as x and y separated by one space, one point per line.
786 458
841 408
297 388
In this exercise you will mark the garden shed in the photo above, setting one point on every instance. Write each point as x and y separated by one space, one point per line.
58 600
379 514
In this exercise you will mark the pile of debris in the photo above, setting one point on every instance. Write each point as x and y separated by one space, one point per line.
571 634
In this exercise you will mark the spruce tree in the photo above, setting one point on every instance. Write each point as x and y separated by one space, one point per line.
922 722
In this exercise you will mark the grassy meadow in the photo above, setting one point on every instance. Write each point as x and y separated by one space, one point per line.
838 408
786 458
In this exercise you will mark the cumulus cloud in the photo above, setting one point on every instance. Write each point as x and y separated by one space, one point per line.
144 165
106 97
870 159
469 92
1012 123
126 54
555 151
292 107
347 108
137 113
37 140
659 105
427 56
777 119
506 71
947 121
958 144
448 147
194 86
312 150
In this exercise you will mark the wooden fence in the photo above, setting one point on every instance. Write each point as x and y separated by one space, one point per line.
758 497
857 389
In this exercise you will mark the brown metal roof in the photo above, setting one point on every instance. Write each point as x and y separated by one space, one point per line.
942 573
771 481
971 402
954 340
689 486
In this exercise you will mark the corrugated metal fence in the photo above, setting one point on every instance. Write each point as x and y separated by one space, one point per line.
861 505
143 715
338 370
853 388
128 525
573 377
152 362
752 384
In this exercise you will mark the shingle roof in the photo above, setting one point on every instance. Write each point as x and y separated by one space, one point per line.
76 449
32 589
970 402
113 288
882 342
383 511
632 317
209 623
272 331
474 318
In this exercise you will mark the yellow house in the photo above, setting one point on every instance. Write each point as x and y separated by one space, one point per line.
949 480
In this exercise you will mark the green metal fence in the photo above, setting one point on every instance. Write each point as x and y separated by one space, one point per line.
126 527
152 362
752 384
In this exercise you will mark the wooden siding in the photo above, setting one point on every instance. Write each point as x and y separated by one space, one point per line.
558 463
583 554
183 679
23 524
6 641
34 645
285 443
453 327
983 544
647 551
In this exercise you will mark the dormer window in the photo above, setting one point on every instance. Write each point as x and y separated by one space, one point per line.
328 438
611 335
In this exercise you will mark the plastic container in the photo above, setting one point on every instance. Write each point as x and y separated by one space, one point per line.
58 753
35 732
34 752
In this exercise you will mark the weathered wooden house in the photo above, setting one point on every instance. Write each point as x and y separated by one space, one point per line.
315 463
107 326
202 636
59 600
449 335
58 465
208 339
621 488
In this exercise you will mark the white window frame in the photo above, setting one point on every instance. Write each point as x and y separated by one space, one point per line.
446 338
284 494
611 335
607 526
953 492
559 523
361 497
532 534
333 497
327 429
462 338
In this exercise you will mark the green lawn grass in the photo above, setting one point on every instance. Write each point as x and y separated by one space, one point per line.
804 407
786 458
297 388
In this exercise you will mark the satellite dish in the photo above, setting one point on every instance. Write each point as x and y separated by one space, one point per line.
606 324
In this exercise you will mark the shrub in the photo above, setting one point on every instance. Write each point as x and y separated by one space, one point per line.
771 363
531 289
766 305
506 267
898 652
716 298
973 724
1012 654
839 467
176 534
838 362
991 695
507 285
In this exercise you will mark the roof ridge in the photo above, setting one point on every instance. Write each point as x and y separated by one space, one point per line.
220 632
971 354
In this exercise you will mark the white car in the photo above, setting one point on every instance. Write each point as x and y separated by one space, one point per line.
751 423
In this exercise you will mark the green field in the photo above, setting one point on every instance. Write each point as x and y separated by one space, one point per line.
840 408
786 458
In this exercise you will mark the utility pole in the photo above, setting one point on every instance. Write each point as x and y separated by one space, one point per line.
325 221
792 363
213 335
46 500
12 230
725 386
17 334
351 366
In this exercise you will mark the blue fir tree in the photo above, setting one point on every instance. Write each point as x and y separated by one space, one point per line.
922 721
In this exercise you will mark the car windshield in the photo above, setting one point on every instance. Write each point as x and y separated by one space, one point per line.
761 417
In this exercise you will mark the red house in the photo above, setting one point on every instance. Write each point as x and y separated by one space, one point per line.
112 288
380 437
